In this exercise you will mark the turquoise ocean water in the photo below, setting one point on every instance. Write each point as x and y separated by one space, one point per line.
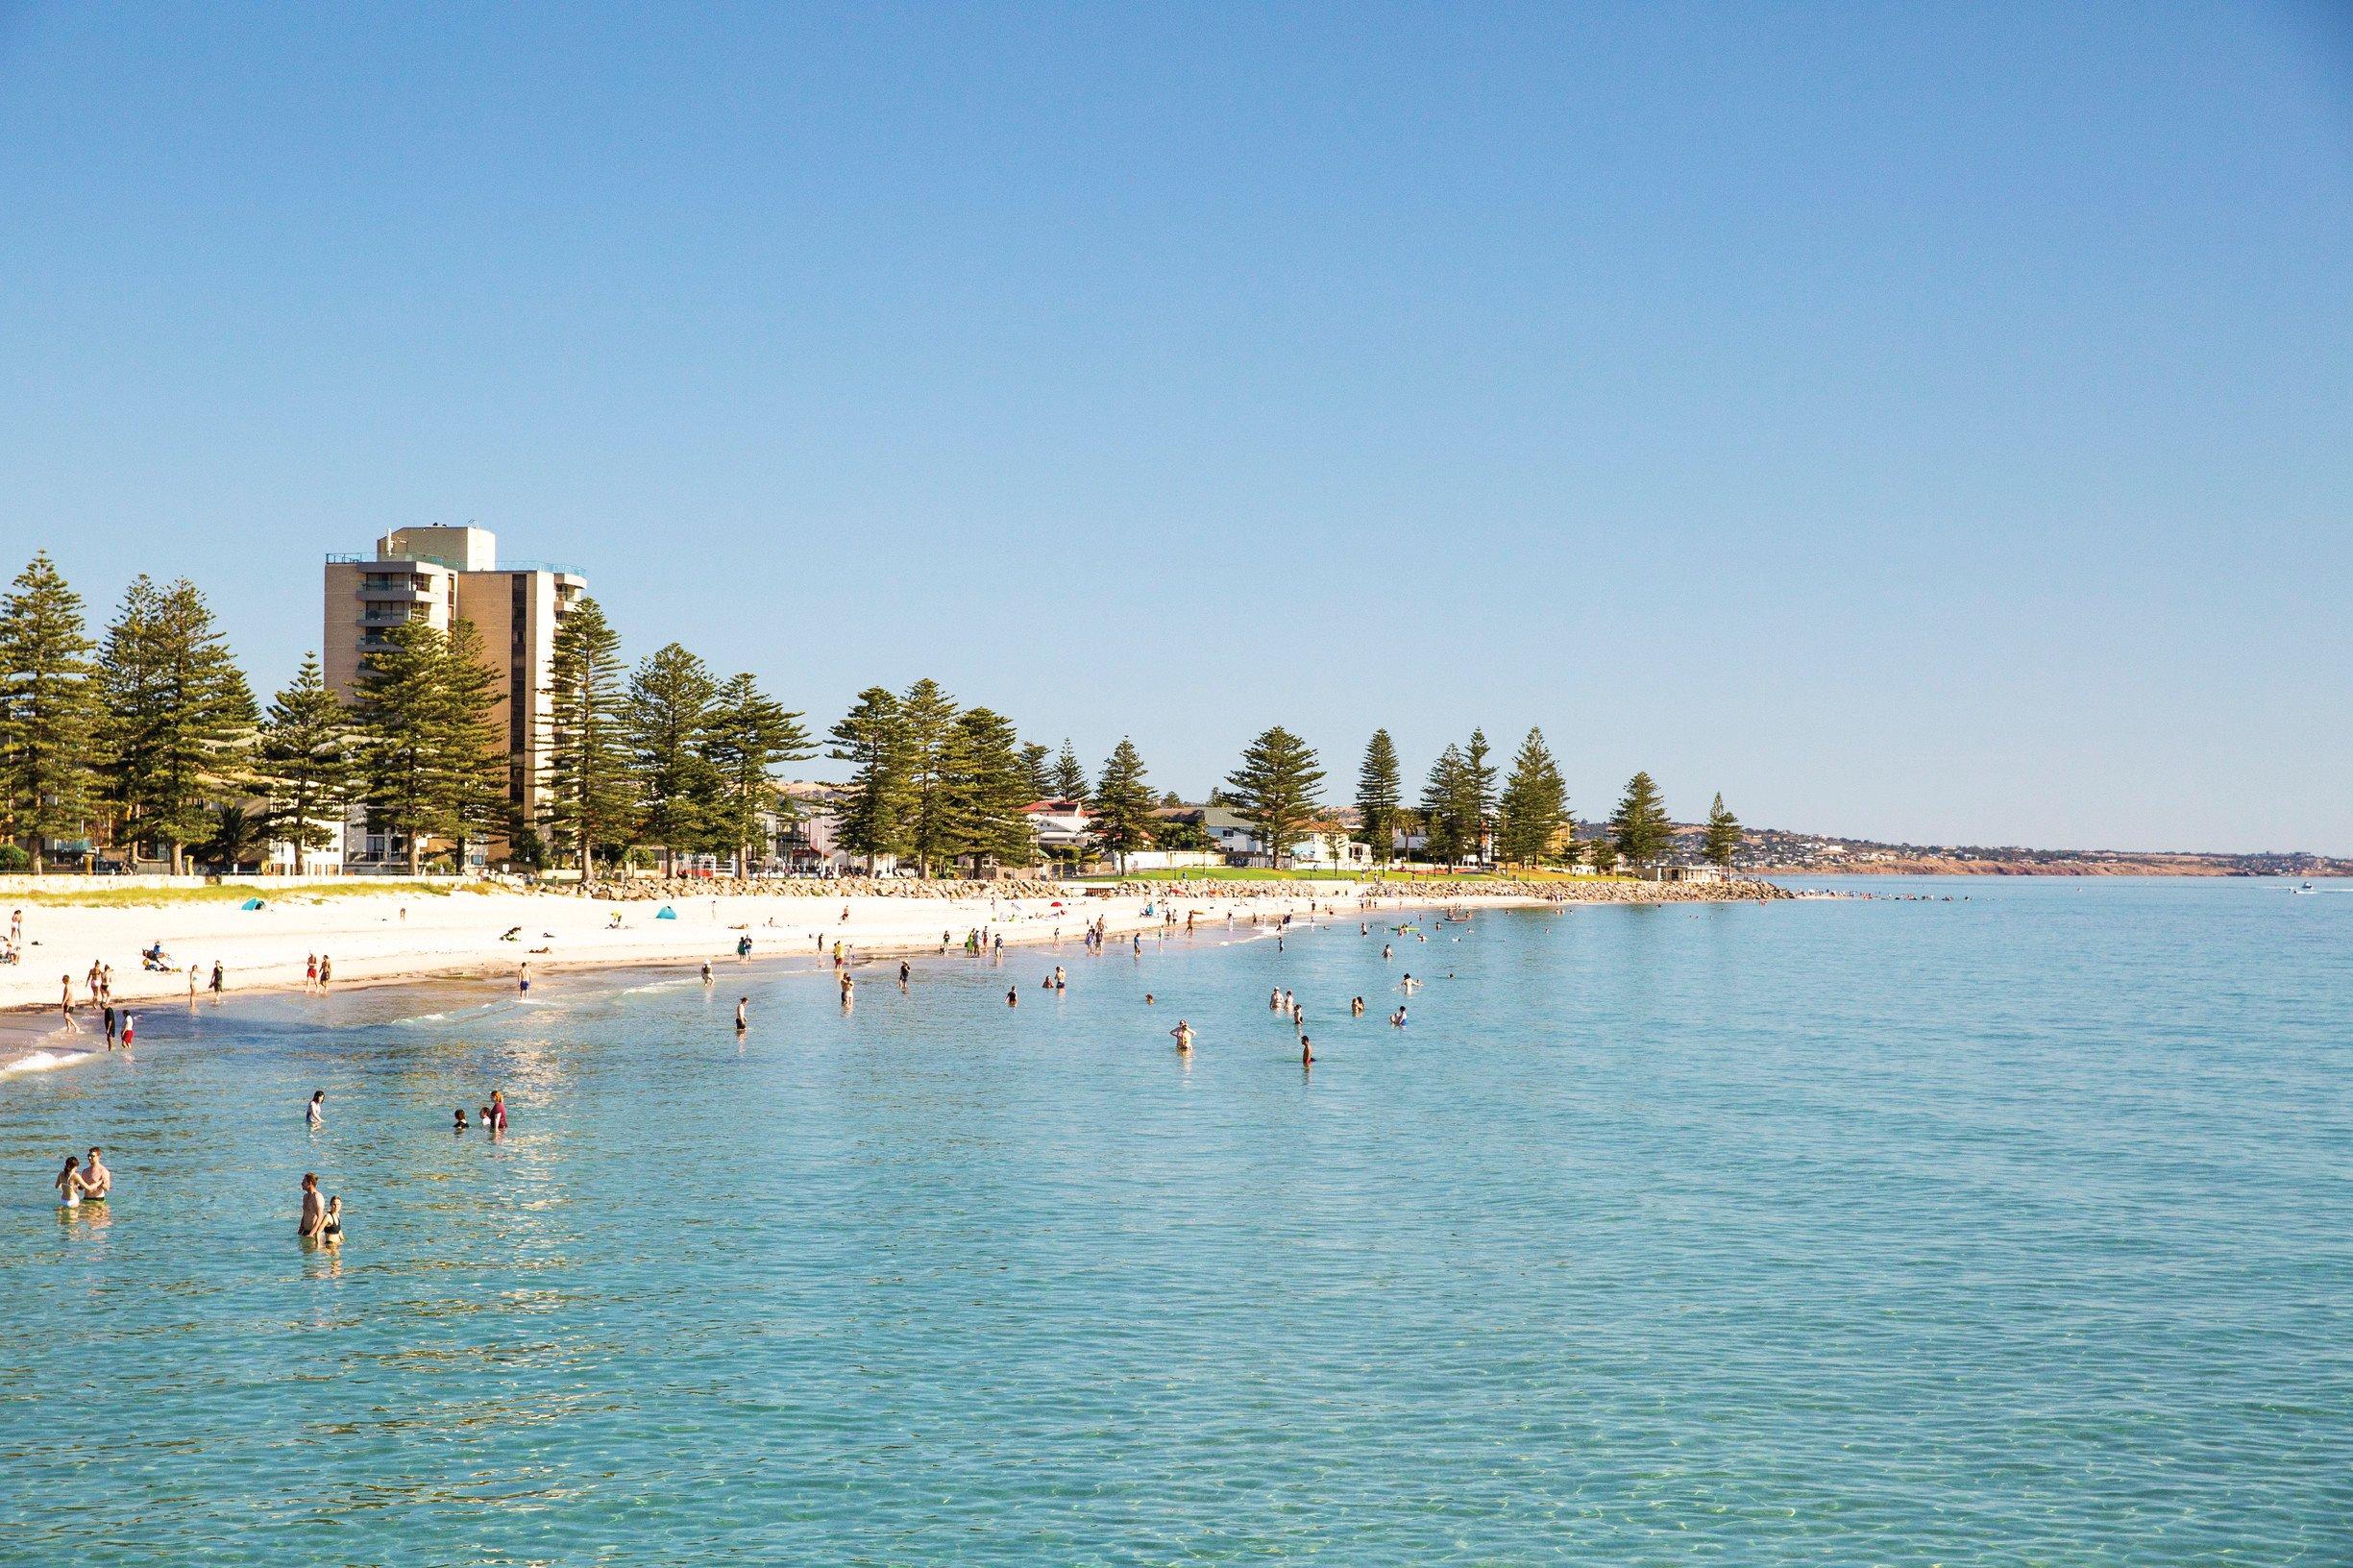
2012 1230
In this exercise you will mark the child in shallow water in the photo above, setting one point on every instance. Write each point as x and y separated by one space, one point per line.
460 1125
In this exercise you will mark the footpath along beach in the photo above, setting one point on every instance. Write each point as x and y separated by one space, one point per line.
414 932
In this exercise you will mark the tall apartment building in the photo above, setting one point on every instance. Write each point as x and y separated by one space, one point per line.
440 576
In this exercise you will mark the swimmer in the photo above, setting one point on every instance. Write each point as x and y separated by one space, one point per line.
315 1114
96 1180
461 1124
905 969
1306 1052
314 1213
330 1223
1408 985
706 974
1397 1019
1013 997
1183 1034
1355 1007
70 1185
742 1022
498 1111
1384 952
1147 998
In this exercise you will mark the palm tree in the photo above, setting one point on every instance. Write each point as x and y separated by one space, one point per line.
237 835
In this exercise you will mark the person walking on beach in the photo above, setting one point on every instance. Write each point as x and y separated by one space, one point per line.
219 980
327 972
310 974
66 1004
315 1114
191 985
523 977
314 1213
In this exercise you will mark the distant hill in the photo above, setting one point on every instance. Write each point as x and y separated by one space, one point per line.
1772 849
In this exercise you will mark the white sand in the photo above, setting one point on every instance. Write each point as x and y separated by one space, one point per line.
403 935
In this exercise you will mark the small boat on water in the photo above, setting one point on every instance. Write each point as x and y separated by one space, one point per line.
2307 887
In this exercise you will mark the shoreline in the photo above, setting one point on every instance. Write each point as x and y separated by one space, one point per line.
399 937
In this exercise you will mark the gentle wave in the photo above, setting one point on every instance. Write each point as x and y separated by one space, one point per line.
46 1061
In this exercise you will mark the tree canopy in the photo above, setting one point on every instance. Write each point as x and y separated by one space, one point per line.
1122 806
1380 796
1274 790
1535 805
1640 829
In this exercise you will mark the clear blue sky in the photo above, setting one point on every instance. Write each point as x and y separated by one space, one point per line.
1924 423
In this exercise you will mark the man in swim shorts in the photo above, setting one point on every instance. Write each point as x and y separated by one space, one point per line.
96 1180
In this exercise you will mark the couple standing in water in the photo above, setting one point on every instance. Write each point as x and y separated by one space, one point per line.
79 1183
322 1222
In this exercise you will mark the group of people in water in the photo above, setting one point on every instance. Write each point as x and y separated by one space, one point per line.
321 1221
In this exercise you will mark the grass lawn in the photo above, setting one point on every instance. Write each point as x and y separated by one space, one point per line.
101 896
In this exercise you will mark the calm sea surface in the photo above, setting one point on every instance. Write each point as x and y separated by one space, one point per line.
2016 1229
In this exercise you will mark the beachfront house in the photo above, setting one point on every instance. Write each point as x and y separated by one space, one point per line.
803 835
1062 828
1325 846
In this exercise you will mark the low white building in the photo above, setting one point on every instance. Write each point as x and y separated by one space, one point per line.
1061 827
1325 845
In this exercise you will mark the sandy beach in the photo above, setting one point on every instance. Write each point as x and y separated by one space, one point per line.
402 934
